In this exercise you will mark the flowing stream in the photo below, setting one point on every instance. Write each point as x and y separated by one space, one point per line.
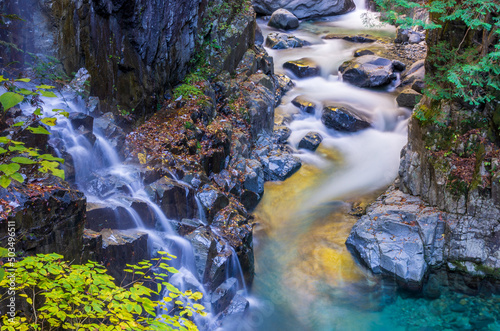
305 277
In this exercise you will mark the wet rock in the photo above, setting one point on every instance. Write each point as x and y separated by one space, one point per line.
212 200
278 40
282 133
259 94
253 175
283 19
279 165
353 39
398 65
305 9
418 86
105 215
47 220
361 52
92 245
402 35
408 98
304 104
186 225
238 306
283 84
367 71
79 83
106 126
176 199
228 181
415 72
303 68
122 247
343 118
259 37
204 245
481 322
222 295
311 141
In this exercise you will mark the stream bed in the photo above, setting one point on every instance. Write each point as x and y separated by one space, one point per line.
305 278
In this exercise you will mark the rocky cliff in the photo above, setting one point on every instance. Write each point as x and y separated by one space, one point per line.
445 215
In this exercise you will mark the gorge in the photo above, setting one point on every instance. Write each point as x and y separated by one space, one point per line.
201 130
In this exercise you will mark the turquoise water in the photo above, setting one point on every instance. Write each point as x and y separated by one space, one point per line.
305 277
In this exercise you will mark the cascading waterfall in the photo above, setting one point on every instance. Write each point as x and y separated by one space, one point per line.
96 162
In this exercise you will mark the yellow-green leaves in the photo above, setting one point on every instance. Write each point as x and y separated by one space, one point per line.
10 99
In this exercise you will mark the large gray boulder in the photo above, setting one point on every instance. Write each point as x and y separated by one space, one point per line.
368 71
305 9
277 40
303 68
401 236
343 118
283 19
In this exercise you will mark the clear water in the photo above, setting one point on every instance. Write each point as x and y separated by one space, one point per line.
305 277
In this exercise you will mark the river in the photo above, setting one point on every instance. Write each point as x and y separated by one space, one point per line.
305 277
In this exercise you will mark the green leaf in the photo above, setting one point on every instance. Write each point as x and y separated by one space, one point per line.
2 150
50 157
10 99
23 160
38 130
26 92
9 169
48 94
4 252
45 87
26 80
38 112
50 121
20 123
2 273
5 181
18 177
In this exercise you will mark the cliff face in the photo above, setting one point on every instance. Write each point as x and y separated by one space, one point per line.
134 50
443 215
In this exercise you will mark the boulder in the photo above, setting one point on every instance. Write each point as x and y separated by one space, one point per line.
311 141
367 71
122 247
176 199
279 165
278 40
408 98
283 19
303 68
364 51
283 84
204 246
212 201
305 9
253 175
259 93
414 74
415 37
222 295
343 118
402 35
398 65
106 126
282 133
304 104
113 216
401 236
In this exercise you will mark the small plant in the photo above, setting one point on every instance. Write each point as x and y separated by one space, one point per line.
186 91
85 297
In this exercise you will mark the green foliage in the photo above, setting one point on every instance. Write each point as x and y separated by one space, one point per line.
470 70
16 152
85 297
186 91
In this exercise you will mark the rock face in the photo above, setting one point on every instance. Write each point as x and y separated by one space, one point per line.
305 9
343 118
303 68
367 71
133 49
277 162
401 235
283 19
47 219
278 40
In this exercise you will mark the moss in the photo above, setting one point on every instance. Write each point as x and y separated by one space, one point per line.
494 272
